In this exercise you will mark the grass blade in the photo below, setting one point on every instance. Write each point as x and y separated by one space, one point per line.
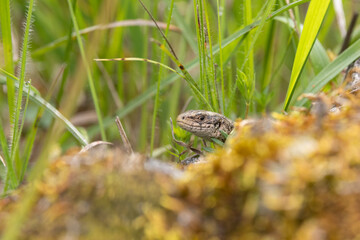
88 72
5 23
314 17
35 96
17 129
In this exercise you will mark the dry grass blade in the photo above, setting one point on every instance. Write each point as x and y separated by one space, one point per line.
124 138
2 160
349 32
94 144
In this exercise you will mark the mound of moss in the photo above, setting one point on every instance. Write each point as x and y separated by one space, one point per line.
288 177
293 176
97 195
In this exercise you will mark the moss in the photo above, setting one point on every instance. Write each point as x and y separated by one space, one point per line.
294 176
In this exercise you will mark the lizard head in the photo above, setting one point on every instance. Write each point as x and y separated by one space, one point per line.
205 124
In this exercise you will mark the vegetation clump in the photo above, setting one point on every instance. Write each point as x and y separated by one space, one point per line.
292 176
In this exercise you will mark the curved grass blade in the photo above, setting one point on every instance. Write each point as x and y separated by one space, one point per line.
313 20
124 23
35 96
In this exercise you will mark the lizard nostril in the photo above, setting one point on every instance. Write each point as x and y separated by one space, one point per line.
183 118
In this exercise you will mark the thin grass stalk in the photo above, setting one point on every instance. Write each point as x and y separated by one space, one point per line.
268 57
222 105
142 143
200 42
248 65
157 96
210 72
88 71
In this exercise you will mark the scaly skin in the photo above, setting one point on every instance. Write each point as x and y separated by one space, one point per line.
205 124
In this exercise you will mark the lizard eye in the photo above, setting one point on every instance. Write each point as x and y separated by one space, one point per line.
201 118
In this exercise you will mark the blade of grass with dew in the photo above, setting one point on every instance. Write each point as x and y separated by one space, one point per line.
35 96
5 23
88 72
147 94
24 52
157 95
314 17
332 69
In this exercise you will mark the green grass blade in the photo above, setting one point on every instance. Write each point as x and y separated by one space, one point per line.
222 105
19 165
157 96
13 180
88 72
24 52
332 69
314 17
5 23
35 96
210 68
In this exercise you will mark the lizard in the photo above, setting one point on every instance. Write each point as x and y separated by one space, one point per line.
205 124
